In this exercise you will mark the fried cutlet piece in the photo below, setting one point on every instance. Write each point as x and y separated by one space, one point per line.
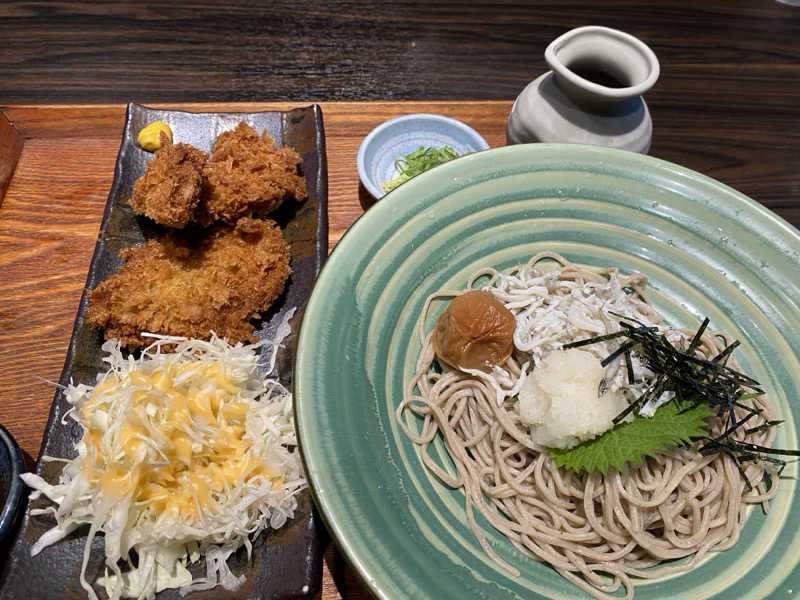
246 175
177 286
170 189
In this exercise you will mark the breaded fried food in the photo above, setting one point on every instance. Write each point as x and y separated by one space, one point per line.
170 189
246 175
178 286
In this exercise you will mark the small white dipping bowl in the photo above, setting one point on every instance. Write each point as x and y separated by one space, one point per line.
399 136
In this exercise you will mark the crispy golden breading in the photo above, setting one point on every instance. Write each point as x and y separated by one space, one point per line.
176 287
247 176
170 189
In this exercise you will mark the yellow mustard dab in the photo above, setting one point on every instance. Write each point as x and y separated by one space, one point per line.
150 137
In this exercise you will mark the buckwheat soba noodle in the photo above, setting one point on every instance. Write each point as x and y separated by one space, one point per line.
599 531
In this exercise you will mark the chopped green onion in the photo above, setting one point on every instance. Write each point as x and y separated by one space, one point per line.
417 162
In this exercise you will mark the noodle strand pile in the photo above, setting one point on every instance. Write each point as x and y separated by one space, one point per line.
599 531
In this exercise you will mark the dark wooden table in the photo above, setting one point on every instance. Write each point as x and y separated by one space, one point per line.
727 104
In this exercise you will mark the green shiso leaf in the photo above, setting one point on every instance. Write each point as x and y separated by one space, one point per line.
671 425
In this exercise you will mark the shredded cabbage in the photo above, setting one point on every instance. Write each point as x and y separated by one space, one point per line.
188 451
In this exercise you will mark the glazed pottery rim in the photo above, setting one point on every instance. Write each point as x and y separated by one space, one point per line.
478 143
562 70
12 497
327 500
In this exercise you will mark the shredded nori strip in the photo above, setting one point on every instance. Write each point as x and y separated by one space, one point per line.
629 367
614 355
763 426
694 380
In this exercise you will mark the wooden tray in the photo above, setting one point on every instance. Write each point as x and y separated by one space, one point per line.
50 217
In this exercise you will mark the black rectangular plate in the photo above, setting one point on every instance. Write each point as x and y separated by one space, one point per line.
286 563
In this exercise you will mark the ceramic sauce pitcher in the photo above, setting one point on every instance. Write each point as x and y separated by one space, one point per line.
592 95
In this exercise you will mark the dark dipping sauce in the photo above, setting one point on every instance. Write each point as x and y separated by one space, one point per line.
598 73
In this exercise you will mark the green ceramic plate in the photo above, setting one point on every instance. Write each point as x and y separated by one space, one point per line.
706 249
